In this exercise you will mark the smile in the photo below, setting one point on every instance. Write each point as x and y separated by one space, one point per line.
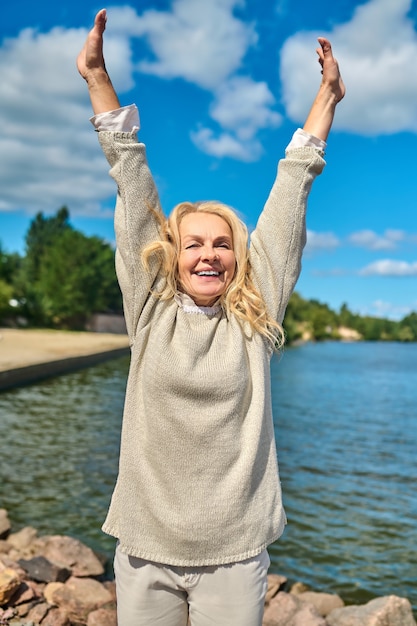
208 273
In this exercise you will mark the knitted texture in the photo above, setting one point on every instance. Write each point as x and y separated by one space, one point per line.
198 476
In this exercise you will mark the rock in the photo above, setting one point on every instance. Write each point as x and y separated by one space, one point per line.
275 583
80 596
110 585
5 525
325 603
102 617
49 591
299 587
38 612
287 609
6 615
24 593
385 611
9 584
5 546
56 617
22 539
42 570
71 554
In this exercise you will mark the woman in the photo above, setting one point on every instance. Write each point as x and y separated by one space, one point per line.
197 499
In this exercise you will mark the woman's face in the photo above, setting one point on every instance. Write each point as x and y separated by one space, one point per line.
207 263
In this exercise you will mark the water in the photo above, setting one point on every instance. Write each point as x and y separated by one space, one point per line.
346 432
346 435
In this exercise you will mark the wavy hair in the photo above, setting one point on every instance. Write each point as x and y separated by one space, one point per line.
241 298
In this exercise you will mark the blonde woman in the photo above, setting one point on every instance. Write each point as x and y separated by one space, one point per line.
197 499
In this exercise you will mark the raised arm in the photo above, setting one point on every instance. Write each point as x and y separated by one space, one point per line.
331 91
137 197
91 66
279 238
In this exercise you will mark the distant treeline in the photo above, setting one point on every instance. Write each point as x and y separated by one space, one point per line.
311 319
66 276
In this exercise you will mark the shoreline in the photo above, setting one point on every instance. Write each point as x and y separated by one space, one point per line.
28 356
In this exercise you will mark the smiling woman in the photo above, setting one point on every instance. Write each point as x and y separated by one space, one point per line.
198 498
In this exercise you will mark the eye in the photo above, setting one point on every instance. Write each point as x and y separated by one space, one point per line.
191 245
223 244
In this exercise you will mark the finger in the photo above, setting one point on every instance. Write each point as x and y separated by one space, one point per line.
100 20
325 47
320 55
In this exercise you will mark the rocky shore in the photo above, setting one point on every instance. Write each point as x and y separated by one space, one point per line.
56 580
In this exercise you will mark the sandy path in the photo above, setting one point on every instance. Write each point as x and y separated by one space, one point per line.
20 348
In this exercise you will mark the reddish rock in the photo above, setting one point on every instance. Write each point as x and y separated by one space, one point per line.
38 612
287 609
6 615
102 617
23 609
325 603
385 611
275 583
24 593
80 596
56 617
70 553
5 546
110 585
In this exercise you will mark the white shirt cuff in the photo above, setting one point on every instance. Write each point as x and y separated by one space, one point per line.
301 138
125 120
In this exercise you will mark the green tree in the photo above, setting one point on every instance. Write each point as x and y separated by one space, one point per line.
76 278
42 233
409 322
6 294
9 266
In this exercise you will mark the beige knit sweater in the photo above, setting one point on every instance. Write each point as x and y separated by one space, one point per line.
198 477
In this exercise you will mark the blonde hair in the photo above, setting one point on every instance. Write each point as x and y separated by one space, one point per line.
241 298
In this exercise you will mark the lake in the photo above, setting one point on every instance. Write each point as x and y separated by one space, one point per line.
346 430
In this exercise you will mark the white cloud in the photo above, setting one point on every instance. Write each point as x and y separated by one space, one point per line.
372 241
199 41
242 108
376 51
389 267
321 241
242 105
226 145
50 154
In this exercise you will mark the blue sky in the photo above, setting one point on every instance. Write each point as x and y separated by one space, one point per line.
221 86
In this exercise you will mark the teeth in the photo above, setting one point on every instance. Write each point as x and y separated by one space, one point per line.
207 273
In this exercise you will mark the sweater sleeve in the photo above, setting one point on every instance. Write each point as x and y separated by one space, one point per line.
279 238
135 221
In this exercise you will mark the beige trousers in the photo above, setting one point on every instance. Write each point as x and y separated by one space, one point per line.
228 595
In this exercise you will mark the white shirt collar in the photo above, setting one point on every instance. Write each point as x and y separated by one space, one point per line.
188 305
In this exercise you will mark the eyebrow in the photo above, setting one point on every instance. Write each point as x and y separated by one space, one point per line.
189 236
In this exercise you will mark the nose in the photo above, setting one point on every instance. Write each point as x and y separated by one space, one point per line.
209 253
